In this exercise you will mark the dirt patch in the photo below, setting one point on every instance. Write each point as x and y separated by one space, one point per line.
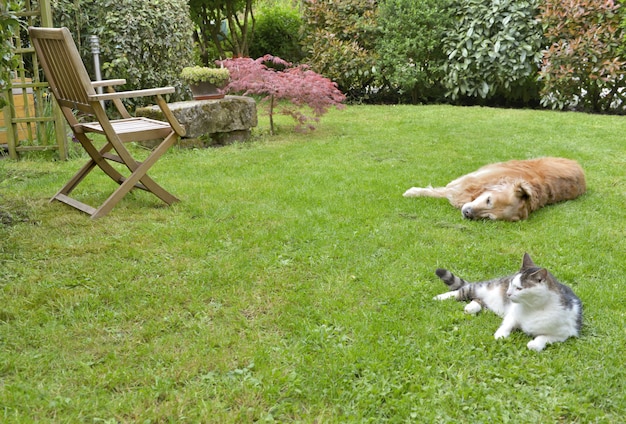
12 213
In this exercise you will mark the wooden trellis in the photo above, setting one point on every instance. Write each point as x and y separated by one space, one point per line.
32 120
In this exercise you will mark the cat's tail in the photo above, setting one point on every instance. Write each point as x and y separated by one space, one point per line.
452 281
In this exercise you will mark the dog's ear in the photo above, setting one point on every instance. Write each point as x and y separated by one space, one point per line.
526 193
523 190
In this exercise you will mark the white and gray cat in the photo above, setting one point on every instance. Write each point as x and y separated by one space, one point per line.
531 300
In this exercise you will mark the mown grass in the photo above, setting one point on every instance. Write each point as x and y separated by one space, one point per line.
294 283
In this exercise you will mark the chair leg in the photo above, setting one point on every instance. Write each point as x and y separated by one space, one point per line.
137 179
148 182
77 178
96 159
139 174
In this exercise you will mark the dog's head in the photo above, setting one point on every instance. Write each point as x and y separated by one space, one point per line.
507 202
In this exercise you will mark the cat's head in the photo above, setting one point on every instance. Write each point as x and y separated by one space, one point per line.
530 283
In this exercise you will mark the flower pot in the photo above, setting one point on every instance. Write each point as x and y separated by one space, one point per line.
206 91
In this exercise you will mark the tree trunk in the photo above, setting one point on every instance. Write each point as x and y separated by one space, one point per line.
272 114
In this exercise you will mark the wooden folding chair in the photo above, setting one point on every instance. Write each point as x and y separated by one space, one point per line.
76 93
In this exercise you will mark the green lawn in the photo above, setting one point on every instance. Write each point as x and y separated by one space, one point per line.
294 283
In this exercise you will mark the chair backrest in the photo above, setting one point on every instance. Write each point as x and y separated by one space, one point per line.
63 67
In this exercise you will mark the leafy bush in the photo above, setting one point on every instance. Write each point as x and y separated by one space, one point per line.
8 24
494 50
340 39
145 42
581 68
222 27
298 85
410 48
277 32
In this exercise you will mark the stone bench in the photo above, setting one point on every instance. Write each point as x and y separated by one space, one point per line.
210 122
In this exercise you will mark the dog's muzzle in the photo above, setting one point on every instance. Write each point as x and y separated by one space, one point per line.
467 212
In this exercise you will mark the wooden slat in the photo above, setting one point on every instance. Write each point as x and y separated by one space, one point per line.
33 119
170 117
129 126
26 84
75 203
107 83
131 94
35 148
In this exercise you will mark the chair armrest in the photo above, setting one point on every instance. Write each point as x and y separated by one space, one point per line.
170 117
107 83
133 93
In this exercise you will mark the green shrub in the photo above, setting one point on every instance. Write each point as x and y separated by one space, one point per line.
8 23
494 50
223 28
340 39
582 68
410 48
145 42
277 32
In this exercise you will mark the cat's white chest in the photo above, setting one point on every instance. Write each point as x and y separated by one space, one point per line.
494 301
552 320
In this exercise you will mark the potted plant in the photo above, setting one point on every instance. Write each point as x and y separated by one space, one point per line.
204 82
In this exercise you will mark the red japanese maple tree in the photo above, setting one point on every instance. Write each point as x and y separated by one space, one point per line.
288 87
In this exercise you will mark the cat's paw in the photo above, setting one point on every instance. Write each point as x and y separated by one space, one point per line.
502 333
413 192
473 308
446 295
537 344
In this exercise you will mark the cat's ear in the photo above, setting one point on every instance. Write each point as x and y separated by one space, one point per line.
541 275
527 262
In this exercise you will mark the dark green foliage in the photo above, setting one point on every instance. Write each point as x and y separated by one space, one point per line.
410 47
340 39
8 23
277 32
474 51
582 68
223 28
143 41
495 50
147 43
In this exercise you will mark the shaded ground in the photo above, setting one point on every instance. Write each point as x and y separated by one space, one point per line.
11 214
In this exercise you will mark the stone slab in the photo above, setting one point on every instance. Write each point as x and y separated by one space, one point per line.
210 122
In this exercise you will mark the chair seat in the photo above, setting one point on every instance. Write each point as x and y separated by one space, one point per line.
131 129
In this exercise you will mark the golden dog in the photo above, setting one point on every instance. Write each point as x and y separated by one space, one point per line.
510 191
